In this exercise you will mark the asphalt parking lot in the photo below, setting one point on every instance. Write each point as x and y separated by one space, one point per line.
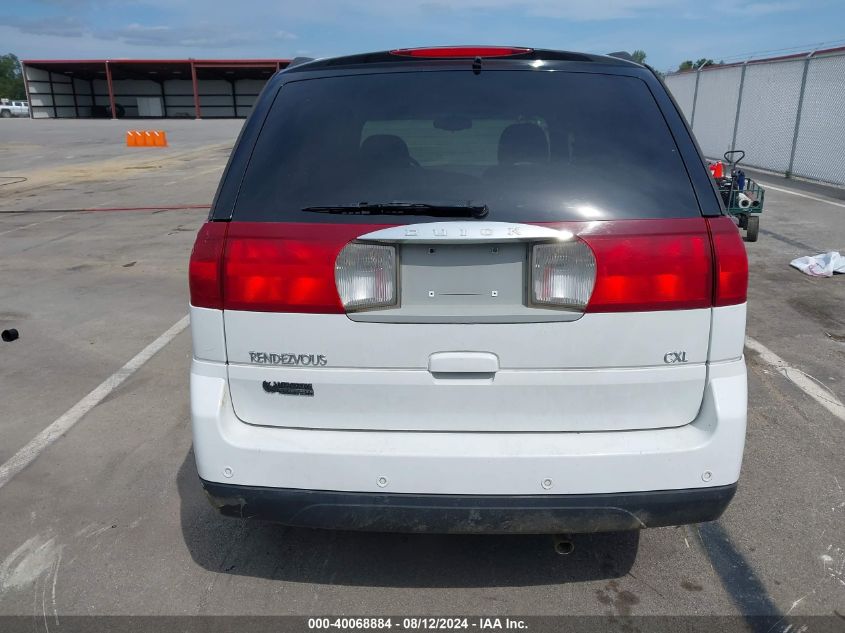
110 518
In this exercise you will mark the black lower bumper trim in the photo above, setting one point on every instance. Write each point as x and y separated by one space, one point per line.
444 514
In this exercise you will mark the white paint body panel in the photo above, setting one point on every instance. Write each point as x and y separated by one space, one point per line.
604 340
472 463
600 368
521 400
590 374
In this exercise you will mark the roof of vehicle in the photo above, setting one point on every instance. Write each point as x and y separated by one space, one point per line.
441 54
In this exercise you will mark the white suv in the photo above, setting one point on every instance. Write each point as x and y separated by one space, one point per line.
468 290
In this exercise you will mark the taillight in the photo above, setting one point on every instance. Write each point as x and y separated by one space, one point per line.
204 267
366 276
285 267
615 266
731 266
562 275
279 275
461 52
645 265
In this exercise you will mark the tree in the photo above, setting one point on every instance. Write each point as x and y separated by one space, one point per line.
693 65
639 56
11 80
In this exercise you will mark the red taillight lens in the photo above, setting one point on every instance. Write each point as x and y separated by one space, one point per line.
204 268
640 265
731 267
271 267
461 52
644 265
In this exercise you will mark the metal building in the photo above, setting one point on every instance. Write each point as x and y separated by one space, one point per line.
145 88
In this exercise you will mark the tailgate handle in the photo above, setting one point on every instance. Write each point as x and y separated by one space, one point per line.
463 363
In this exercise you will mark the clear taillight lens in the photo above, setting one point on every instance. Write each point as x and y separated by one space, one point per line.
366 276
562 275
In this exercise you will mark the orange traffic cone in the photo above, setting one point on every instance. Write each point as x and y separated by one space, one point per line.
146 138
717 169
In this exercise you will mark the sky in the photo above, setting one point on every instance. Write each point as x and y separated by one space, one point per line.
669 31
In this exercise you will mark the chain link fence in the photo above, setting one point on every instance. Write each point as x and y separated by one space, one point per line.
788 115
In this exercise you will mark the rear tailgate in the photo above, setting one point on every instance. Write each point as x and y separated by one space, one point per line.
433 363
463 337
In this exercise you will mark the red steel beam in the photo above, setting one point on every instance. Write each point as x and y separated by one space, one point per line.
233 65
111 91
197 110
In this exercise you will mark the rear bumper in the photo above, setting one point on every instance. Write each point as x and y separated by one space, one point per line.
462 514
551 481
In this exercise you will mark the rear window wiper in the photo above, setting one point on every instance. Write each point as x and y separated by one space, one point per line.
468 210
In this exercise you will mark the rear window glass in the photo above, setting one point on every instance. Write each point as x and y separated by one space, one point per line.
532 146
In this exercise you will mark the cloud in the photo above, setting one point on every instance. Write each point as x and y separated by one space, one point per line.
200 36
577 10
557 9
74 4
63 26
334 10
757 9
161 24
669 30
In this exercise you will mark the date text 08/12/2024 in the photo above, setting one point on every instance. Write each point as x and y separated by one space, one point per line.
417 623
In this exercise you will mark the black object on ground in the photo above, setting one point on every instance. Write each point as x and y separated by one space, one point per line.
9 335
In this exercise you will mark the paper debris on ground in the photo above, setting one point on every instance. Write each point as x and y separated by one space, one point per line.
821 265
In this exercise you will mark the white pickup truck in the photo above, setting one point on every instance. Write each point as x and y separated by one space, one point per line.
9 109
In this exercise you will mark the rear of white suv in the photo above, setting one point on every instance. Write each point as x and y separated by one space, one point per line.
468 290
